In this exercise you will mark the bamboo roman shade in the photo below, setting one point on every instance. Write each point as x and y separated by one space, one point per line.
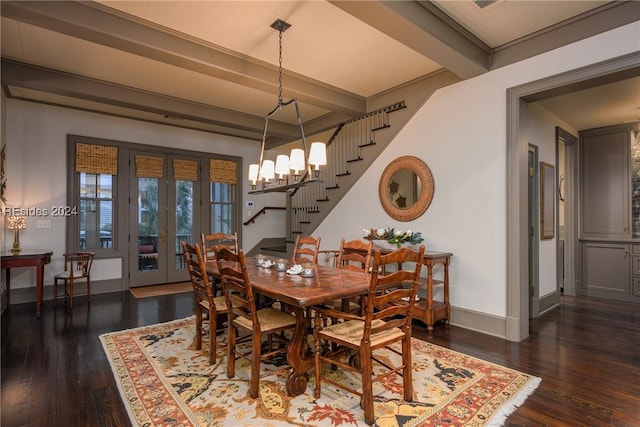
185 170
96 159
224 171
149 167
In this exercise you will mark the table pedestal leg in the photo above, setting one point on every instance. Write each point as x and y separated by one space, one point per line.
298 356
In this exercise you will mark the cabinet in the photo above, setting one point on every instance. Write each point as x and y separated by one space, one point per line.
610 212
605 269
605 184
635 270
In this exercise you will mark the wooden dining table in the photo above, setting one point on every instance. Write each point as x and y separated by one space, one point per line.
299 293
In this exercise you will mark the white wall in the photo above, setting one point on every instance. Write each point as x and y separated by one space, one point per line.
461 134
36 168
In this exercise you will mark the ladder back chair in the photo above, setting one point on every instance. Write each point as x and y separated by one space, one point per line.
77 269
209 241
387 320
207 306
354 255
306 250
246 322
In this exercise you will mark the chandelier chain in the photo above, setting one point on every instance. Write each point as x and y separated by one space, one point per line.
280 68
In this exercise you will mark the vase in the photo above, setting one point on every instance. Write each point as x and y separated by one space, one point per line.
384 245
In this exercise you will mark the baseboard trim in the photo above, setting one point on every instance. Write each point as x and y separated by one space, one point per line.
26 295
548 302
480 322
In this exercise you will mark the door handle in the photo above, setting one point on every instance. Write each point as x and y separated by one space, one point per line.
163 238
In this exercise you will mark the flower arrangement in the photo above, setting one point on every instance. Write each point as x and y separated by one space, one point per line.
393 236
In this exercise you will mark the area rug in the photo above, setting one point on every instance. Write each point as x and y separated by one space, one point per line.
157 290
164 381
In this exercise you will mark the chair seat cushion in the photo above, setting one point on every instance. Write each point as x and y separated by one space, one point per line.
352 331
220 303
77 276
146 249
269 318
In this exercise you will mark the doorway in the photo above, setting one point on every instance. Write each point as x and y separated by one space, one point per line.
162 215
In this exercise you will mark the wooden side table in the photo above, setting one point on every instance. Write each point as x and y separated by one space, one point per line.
27 258
428 310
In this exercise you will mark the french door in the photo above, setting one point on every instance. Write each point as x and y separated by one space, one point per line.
163 192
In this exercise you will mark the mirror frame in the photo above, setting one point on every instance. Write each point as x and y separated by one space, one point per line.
427 186
547 201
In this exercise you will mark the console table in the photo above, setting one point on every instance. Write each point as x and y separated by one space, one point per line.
428 310
27 258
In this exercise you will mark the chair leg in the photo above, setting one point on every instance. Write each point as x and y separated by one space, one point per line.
55 291
71 293
212 338
407 379
318 361
256 352
367 386
88 289
198 328
231 351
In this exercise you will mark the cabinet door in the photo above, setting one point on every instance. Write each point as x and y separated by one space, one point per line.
605 185
605 269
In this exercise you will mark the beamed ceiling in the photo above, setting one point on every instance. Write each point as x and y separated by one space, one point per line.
213 65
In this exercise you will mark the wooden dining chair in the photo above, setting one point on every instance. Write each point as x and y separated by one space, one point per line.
246 323
77 269
306 250
354 255
209 241
207 306
387 320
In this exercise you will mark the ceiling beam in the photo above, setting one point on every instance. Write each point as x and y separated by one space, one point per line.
56 82
100 24
419 26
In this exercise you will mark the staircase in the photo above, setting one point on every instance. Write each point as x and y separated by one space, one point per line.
351 150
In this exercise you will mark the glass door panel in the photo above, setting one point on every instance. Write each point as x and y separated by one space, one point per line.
148 231
184 220
164 214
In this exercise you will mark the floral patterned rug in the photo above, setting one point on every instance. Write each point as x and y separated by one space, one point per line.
164 381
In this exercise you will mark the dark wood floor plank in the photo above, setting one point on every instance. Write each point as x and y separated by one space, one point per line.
54 371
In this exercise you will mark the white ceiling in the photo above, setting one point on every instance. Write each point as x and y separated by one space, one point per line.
212 65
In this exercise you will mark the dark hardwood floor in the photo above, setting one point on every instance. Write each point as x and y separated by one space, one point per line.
587 352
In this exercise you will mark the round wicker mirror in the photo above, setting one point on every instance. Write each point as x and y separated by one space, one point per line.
406 188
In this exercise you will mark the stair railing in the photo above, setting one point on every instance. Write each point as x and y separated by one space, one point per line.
343 148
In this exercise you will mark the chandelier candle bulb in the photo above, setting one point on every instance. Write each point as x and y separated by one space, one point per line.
253 174
296 161
318 156
282 167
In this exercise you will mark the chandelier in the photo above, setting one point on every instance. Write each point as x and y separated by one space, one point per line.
300 162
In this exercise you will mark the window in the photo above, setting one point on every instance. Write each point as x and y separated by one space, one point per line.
222 205
94 194
222 195
96 211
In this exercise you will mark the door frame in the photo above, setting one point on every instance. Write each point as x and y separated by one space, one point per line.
518 97
570 216
534 228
